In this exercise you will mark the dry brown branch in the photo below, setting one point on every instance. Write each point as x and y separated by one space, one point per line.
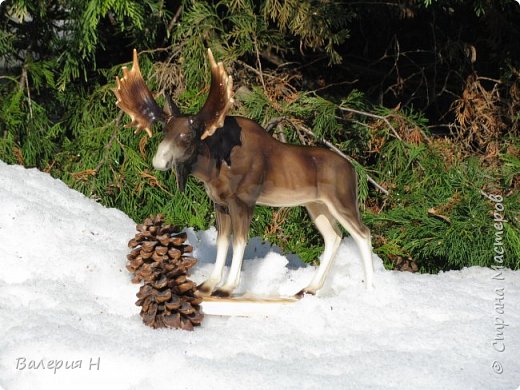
24 83
174 19
435 213
480 115
153 181
83 175
278 85
259 64
369 114
19 155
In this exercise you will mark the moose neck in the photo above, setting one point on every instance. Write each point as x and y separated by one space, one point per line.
214 150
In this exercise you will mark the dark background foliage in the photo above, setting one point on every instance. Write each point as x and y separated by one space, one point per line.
423 95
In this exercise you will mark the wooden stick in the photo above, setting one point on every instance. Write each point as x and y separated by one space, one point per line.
245 305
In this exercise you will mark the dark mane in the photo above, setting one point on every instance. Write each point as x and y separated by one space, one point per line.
224 140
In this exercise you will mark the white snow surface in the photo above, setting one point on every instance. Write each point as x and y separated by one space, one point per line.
65 296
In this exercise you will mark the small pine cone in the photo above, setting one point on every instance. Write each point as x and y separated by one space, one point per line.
405 265
154 244
164 306
158 258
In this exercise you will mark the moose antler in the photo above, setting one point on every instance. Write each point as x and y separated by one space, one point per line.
134 98
220 98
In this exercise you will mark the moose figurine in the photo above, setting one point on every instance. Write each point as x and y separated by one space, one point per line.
241 166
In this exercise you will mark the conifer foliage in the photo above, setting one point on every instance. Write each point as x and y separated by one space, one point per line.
427 112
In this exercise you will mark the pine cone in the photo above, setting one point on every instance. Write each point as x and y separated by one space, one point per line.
407 265
153 245
166 305
158 258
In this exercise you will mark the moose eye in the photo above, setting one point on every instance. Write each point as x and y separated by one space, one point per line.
185 137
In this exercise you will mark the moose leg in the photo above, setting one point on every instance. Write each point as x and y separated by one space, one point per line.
328 228
348 215
223 239
241 215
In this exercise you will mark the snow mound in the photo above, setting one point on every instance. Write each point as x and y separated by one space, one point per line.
69 321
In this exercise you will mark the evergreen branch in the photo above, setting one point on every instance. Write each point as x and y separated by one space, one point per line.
101 162
115 123
384 118
9 78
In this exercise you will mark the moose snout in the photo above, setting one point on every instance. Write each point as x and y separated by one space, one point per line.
163 159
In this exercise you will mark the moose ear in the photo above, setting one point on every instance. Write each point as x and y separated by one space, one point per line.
171 108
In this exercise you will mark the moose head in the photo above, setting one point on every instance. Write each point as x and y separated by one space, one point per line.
241 166
182 133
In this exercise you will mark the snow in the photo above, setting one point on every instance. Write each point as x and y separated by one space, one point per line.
66 297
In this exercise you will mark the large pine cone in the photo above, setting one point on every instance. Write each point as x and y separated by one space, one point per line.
158 258
165 304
